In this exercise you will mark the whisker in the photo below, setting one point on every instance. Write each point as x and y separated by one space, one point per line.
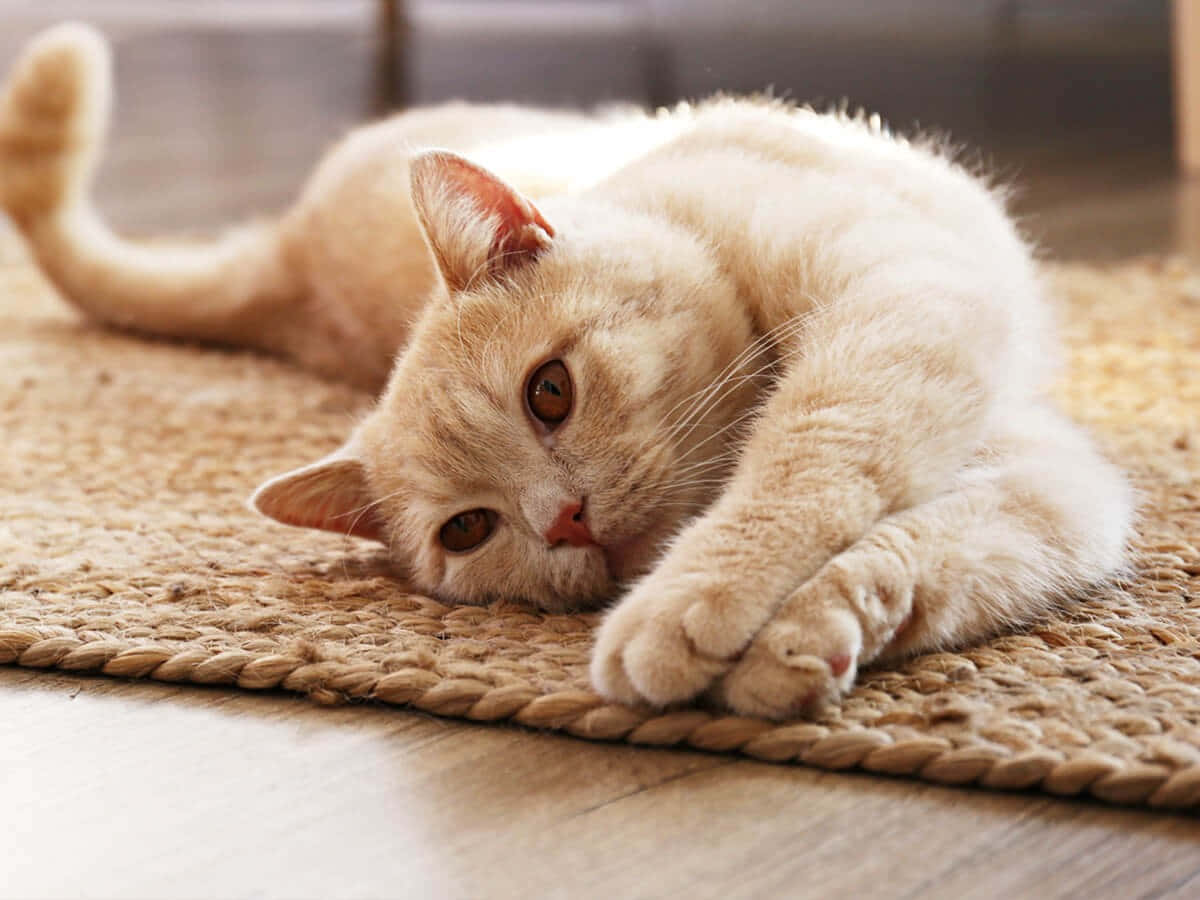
706 462
681 433
727 380
360 511
698 403
753 348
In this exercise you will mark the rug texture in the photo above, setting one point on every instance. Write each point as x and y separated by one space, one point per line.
126 548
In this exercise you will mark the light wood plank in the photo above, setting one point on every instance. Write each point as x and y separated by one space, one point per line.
149 790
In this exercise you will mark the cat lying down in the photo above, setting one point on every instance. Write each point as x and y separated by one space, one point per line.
773 381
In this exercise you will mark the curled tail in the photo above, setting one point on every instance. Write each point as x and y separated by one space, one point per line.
54 111
53 114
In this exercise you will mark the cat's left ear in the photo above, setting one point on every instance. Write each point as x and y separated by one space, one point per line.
330 494
476 225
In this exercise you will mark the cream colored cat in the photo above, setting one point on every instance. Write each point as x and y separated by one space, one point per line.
778 376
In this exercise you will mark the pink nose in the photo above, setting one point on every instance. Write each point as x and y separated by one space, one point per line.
570 527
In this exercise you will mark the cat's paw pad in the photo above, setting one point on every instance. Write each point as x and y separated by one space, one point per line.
794 669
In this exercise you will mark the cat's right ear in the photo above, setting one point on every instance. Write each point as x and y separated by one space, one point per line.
476 225
330 494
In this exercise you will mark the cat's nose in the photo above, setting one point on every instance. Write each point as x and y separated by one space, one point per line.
570 527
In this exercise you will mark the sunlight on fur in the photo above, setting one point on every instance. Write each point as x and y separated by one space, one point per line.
772 380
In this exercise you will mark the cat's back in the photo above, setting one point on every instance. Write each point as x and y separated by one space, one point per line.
732 137
795 204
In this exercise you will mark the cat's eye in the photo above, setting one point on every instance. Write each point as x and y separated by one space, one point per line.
549 393
467 530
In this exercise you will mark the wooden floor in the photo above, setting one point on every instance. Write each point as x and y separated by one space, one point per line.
148 790
112 789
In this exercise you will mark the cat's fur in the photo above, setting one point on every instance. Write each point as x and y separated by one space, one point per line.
809 363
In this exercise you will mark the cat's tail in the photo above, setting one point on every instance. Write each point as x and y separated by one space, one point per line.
54 110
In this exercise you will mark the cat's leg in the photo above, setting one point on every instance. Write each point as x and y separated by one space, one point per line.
890 391
54 111
1041 516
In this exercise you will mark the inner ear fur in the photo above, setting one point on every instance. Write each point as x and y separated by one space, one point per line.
476 225
331 494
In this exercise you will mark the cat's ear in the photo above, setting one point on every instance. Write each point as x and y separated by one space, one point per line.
476 225
330 494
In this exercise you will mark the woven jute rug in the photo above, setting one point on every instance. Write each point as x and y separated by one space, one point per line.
126 549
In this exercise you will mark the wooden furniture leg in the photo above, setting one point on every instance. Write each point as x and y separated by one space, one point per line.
1185 28
391 40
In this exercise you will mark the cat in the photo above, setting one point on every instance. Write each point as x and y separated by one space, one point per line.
773 379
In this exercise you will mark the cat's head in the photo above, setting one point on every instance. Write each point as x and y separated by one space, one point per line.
561 407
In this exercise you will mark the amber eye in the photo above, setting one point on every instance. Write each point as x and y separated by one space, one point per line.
549 393
468 530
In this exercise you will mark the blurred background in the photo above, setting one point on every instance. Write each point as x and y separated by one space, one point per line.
225 105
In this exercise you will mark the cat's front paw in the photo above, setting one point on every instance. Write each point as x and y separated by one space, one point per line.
794 669
808 655
669 639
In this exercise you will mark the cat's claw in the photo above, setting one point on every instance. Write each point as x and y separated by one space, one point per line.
790 670
808 655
